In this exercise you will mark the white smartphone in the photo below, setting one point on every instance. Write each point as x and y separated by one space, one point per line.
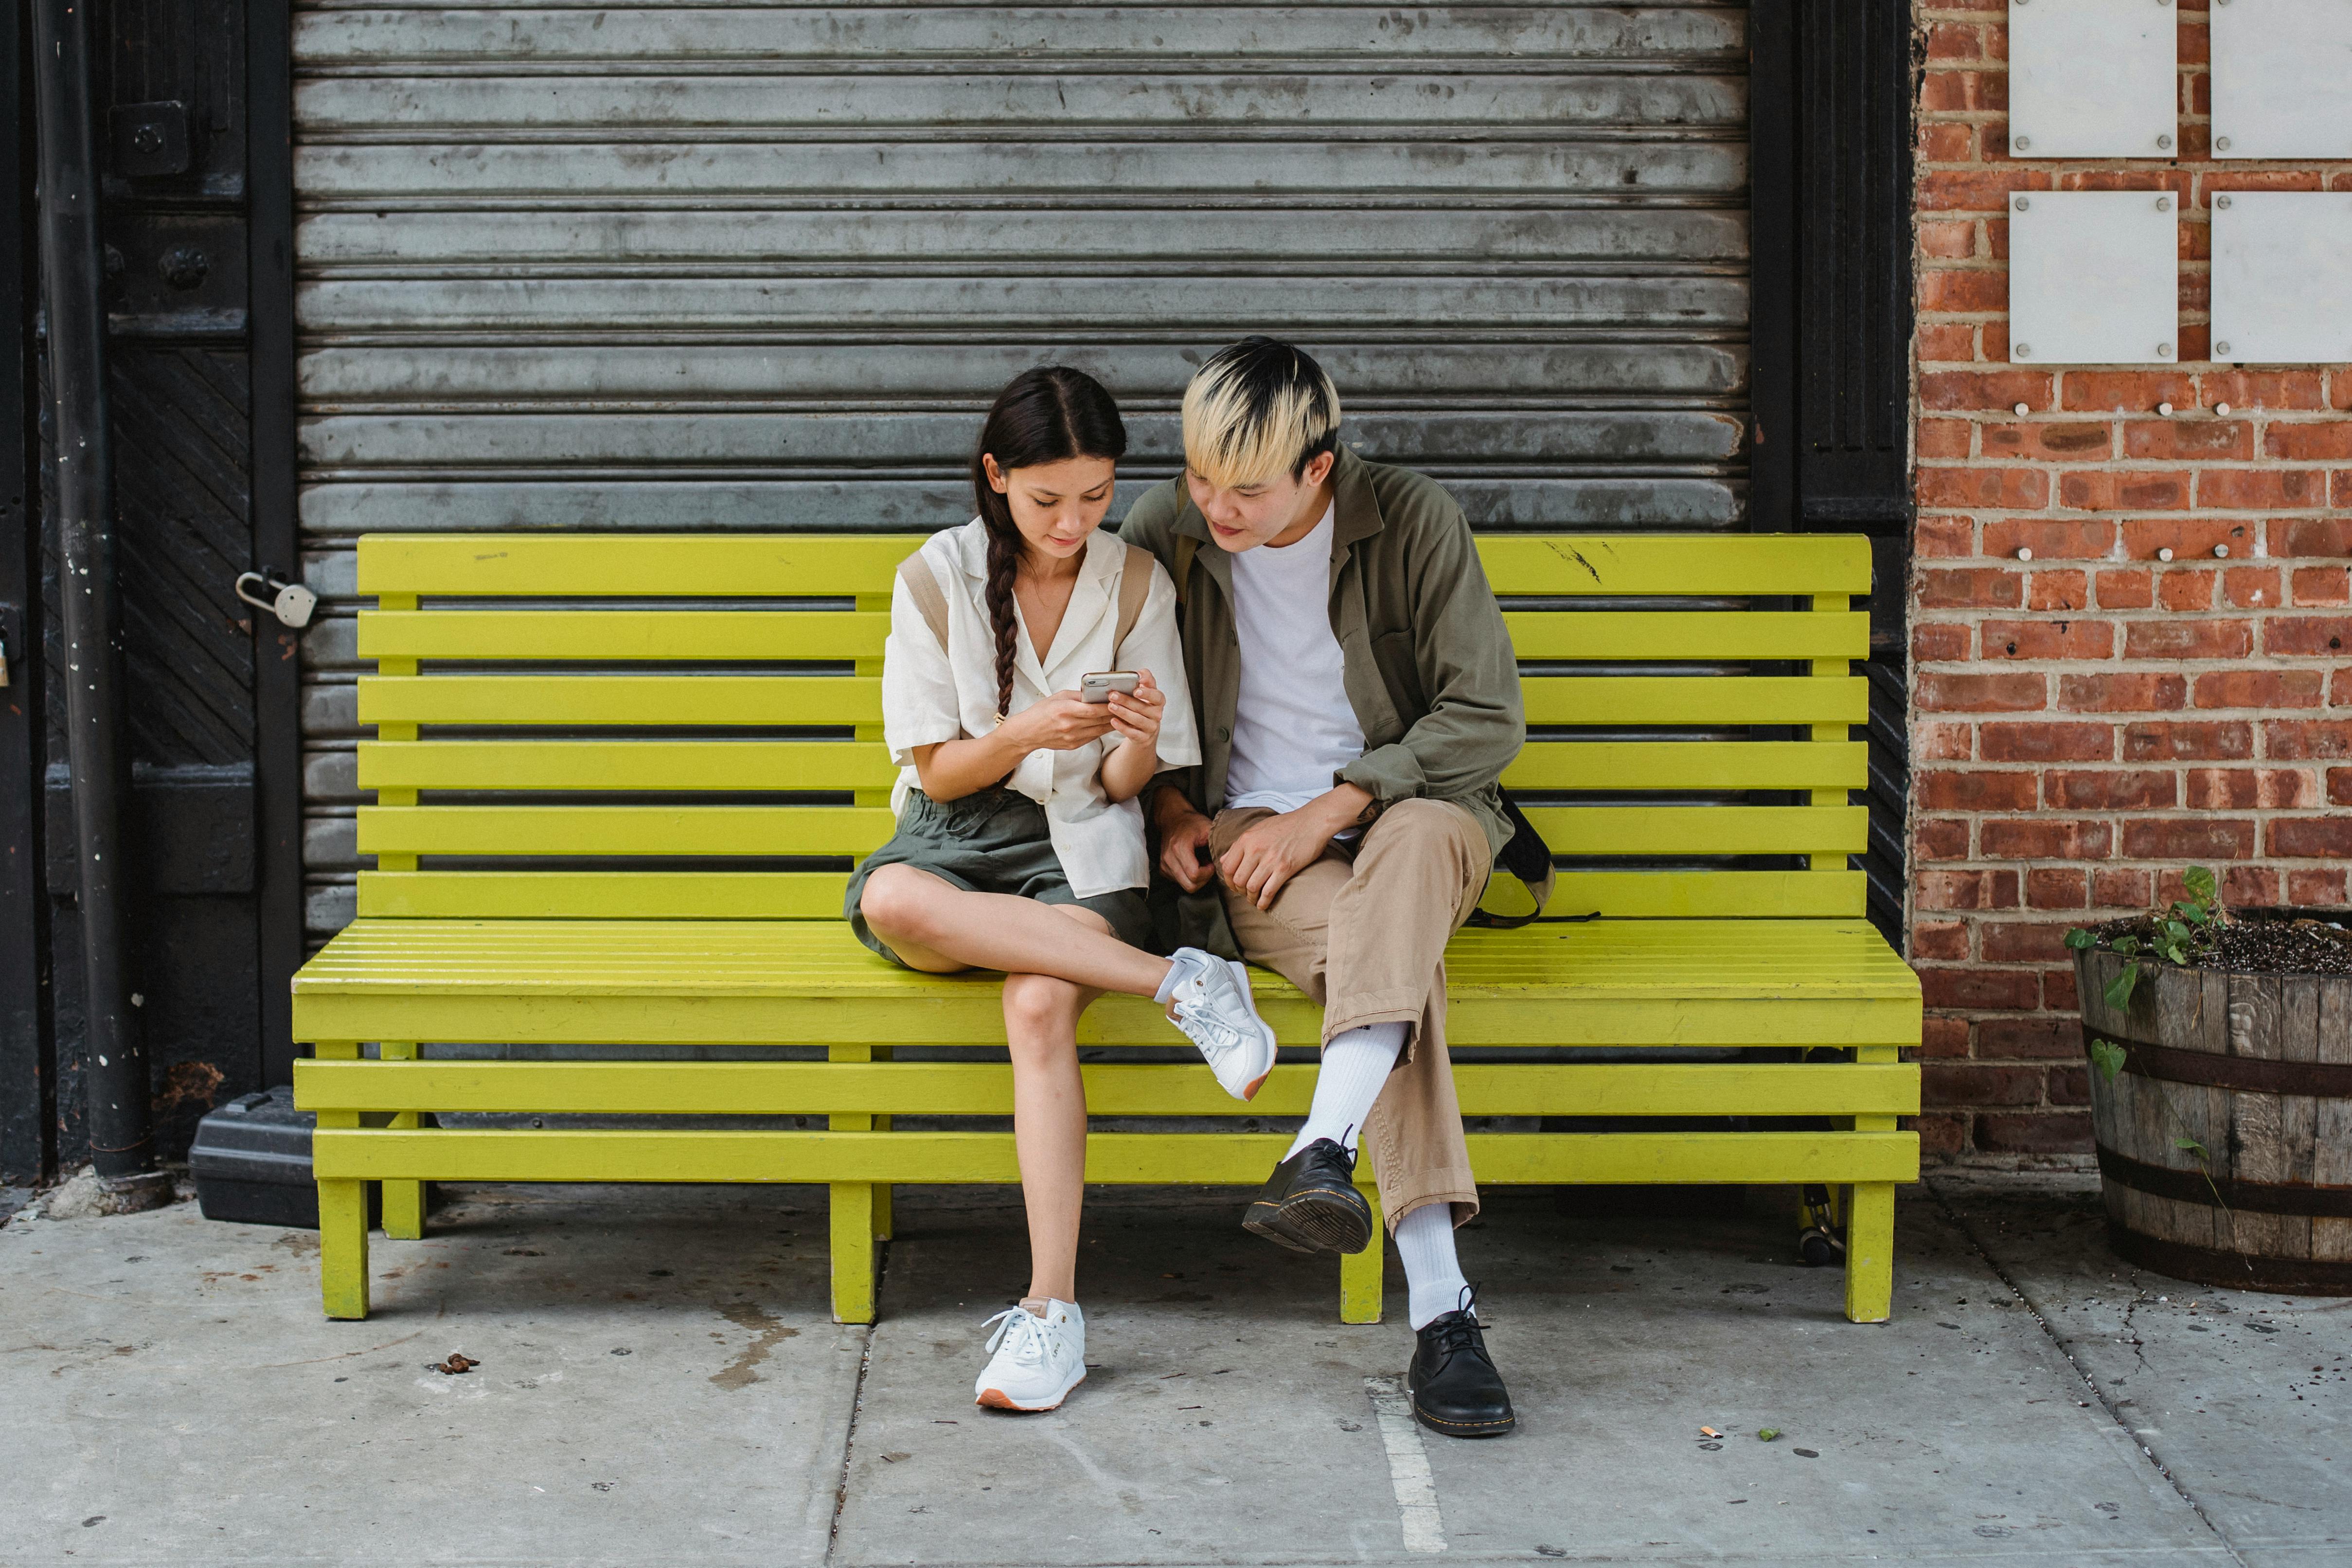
1097 687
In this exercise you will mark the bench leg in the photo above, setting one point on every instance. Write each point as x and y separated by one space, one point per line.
881 1193
853 1251
344 1248
403 1202
1869 1251
1361 1273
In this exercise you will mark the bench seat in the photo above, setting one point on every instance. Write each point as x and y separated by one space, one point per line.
1603 983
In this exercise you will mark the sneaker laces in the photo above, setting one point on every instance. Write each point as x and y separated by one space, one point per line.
1028 1330
1197 1012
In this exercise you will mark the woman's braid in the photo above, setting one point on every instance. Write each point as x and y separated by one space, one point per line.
1004 562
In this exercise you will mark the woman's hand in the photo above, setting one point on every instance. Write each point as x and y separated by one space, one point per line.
1136 718
1062 722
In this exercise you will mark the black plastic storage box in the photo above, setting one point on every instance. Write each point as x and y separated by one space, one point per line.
251 1161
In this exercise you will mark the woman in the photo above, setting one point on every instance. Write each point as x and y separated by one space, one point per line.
1020 845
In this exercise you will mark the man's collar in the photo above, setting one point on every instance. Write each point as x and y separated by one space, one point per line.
1360 509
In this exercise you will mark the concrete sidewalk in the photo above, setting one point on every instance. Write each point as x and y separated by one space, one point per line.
659 1385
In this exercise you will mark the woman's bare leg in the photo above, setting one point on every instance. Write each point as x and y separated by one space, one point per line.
932 924
1049 1111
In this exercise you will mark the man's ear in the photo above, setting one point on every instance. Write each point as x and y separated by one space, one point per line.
1318 469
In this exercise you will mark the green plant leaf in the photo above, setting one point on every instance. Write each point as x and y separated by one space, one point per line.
2126 945
2108 1057
2119 989
2191 1145
2079 940
2199 881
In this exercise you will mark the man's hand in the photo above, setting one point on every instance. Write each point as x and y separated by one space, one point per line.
1183 841
1272 849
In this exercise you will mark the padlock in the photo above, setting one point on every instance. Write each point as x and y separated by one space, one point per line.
291 603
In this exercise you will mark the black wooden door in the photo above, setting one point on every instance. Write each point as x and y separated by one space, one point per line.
173 109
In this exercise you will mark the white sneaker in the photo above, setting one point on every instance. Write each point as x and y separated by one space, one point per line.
1038 1359
1211 1003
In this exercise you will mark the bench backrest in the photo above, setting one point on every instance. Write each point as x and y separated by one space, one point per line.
689 726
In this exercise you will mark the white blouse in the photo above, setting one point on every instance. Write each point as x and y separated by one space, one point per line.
931 694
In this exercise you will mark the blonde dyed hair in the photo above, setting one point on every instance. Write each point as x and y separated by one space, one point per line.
1257 409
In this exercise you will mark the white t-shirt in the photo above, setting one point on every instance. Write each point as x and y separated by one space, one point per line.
1294 728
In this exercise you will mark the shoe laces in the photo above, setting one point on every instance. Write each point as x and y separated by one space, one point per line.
1197 1012
1460 1329
1026 1331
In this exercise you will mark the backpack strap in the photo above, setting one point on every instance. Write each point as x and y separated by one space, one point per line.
1134 587
923 587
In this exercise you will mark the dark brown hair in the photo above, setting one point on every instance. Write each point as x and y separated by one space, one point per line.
1044 415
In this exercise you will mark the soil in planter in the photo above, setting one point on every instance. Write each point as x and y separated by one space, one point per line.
2259 942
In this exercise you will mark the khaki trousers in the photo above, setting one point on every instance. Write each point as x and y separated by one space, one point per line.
1363 931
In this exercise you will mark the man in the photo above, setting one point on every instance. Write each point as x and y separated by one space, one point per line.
1358 699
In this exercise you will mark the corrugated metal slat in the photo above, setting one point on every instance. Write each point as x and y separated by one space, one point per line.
760 266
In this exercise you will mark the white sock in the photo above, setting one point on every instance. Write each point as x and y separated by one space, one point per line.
1355 1066
1425 1240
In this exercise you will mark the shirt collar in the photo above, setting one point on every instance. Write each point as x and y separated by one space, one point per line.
1103 559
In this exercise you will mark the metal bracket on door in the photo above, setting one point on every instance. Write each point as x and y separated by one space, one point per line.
291 603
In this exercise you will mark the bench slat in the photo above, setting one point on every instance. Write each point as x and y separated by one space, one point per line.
862 765
621 566
1219 1159
788 830
985 1089
632 566
817 895
696 700
1728 563
629 765
780 633
736 766
788 700
489 1008
625 633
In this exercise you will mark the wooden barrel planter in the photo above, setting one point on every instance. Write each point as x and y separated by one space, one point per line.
2225 1140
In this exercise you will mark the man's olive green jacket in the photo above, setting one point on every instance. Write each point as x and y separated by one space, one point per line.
1428 662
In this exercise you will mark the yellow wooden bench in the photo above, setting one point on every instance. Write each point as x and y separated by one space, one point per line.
539 698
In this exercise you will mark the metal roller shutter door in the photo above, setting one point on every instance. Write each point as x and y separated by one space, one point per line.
761 265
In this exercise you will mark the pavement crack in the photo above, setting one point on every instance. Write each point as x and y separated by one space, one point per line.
856 1403
2050 1331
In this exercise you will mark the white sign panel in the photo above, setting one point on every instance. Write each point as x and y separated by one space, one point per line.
2094 276
2281 78
2093 79
2282 276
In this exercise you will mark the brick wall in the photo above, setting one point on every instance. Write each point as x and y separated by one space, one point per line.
2090 720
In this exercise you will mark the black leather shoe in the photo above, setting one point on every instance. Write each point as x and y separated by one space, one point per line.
1455 1388
1310 1203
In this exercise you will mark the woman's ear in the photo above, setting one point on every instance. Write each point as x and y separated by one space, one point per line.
996 479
